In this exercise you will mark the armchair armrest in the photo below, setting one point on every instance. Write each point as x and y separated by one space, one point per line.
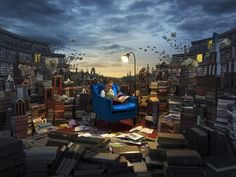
103 103
133 99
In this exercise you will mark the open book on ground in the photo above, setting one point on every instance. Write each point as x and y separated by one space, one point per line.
121 98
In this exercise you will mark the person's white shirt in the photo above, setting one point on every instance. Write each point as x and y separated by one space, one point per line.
110 92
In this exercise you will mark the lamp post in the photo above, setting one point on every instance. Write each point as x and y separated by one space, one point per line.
125 59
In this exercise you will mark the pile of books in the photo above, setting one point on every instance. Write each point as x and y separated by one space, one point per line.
162 90
38 111
55 112
188 118
83 101
171 140
153 87
68 110
20 124
130 152
200 94
5 113
211 100
173 84
221 122
162 96
175 106
231 116
143 106
143 89
80 160
12 158
38 160
183 163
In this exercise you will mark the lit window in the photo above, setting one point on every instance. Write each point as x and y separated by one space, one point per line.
209 44
37 58
199 57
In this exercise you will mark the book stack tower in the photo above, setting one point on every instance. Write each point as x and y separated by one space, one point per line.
68 108
175 106
231 115
20 120
162 95
5 114
221 122
38 112
153 87
12 157
153 103
187 117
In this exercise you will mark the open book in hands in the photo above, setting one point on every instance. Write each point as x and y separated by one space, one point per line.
121 99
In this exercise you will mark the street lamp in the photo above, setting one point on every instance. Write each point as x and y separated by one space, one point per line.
125 59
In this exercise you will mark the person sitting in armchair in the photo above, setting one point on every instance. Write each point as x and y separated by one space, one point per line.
109 93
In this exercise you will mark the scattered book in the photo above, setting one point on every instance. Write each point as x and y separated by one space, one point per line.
220 163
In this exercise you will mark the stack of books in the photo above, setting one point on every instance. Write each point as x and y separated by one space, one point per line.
20 124
130 152
68 110
173 84
55 112
200 95
143 106
162 90
79 160
38 111
143 89
211 100
175 106
183 163
153 87
200 98
162 96
221 165
221 122
140 169
188 118
176 140
5 113
12 158
2 84
38 160
83 101
231 116
198 140
155 160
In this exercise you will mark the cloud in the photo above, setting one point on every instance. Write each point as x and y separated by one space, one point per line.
106 28
141 6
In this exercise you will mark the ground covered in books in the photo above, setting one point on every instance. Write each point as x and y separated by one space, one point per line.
118 150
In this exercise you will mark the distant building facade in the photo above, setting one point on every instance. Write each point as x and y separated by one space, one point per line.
21 57
203 51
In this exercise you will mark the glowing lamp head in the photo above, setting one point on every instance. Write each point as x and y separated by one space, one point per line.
125 58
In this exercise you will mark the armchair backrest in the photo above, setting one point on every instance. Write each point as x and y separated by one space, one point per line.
115 89
97 88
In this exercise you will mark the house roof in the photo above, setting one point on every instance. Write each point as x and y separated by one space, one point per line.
233 30
22 37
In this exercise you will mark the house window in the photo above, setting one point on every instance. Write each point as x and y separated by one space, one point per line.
199 57
209 44
37 58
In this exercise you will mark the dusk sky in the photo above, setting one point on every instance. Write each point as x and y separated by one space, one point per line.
105 29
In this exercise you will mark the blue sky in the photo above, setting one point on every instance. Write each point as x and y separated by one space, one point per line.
105 29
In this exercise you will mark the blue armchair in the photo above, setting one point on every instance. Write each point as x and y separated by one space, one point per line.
106 111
